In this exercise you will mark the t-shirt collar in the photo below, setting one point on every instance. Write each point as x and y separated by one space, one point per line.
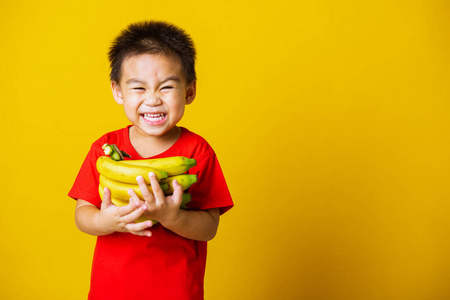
134 155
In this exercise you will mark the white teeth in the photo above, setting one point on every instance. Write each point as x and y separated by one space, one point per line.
154 117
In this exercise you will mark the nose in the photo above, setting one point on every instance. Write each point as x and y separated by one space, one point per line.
152 100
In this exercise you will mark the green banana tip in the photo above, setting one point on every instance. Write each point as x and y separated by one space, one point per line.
186 198
191 162
164 186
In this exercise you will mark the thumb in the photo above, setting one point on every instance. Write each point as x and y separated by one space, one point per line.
177 195
106 201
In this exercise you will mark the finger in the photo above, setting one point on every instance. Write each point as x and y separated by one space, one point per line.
157 190
134 198
133 204
146 233
127 209
148 196
177 195
139 228
133 215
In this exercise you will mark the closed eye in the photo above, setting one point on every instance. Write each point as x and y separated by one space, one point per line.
167 87
139 88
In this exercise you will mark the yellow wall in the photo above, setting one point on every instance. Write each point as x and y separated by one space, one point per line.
330 119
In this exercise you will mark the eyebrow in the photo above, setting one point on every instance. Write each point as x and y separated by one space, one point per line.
173 77
135 80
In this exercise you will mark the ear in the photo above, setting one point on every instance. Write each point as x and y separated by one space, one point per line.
117 92
191 92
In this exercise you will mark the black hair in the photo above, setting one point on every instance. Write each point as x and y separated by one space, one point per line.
152 37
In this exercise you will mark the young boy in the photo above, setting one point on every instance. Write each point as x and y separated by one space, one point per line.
153 77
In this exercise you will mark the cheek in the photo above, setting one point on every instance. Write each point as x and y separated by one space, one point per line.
129 114
178 111
176 103
130 109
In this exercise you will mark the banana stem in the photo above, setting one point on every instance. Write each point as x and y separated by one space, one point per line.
107 149
114 152
125 154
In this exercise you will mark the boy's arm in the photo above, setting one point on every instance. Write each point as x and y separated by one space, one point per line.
110 218
195 225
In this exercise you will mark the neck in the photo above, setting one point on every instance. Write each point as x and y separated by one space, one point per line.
147 146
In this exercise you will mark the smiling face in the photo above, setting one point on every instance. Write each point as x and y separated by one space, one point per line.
153 92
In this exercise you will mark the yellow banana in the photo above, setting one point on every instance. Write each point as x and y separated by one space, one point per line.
119 190
126 173
185 180
174 165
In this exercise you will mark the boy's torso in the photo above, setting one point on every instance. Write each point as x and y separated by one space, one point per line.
170 264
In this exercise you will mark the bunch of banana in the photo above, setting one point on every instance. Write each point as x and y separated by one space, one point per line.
120 176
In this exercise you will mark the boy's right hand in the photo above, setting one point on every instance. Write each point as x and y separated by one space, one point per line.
121 218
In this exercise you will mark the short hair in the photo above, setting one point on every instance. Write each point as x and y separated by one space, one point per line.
152 37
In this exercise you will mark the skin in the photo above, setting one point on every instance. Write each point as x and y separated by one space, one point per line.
150 84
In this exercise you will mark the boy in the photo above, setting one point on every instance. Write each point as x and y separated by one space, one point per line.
153 77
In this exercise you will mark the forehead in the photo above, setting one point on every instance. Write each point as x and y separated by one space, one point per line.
151 66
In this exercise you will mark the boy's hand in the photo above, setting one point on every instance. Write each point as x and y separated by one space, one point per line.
159 207
121 218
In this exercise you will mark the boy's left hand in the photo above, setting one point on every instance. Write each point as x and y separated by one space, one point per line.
164 209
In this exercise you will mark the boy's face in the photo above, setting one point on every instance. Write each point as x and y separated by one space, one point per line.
153 92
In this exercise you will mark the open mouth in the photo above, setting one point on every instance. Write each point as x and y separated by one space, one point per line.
154 119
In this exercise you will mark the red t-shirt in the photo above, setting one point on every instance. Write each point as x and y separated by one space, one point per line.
165 265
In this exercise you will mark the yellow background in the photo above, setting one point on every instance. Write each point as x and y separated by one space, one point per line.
330 120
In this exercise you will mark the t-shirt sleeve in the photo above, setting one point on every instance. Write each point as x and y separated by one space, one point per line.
211 190
86 183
